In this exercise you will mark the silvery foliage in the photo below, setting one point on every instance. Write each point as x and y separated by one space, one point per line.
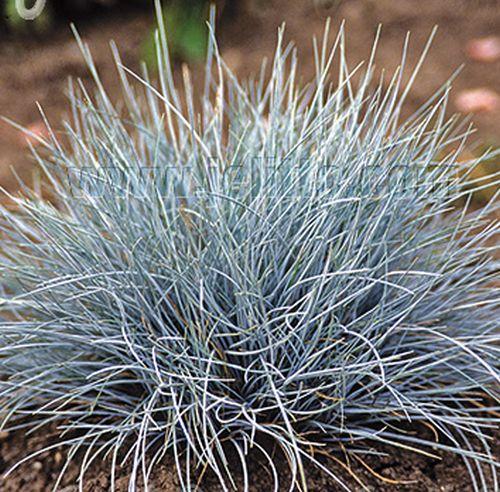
295 266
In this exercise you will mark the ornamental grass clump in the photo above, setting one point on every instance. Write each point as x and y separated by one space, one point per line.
269 266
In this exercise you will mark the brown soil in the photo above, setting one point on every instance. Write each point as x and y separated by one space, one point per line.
37 70
394 472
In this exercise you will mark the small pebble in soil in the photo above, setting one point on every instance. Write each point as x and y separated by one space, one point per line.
486 50
58 458
479 100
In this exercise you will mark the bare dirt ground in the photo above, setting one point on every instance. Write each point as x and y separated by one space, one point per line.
391 473
36 69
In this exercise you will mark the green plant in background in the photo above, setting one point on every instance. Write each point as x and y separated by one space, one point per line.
185 23
63 8
40 24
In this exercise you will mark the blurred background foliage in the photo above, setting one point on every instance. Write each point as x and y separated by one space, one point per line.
185 21
60 9
17 24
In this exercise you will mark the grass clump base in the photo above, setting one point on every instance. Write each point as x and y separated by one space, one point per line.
276 263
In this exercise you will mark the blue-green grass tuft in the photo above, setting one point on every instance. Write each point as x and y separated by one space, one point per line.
268 262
